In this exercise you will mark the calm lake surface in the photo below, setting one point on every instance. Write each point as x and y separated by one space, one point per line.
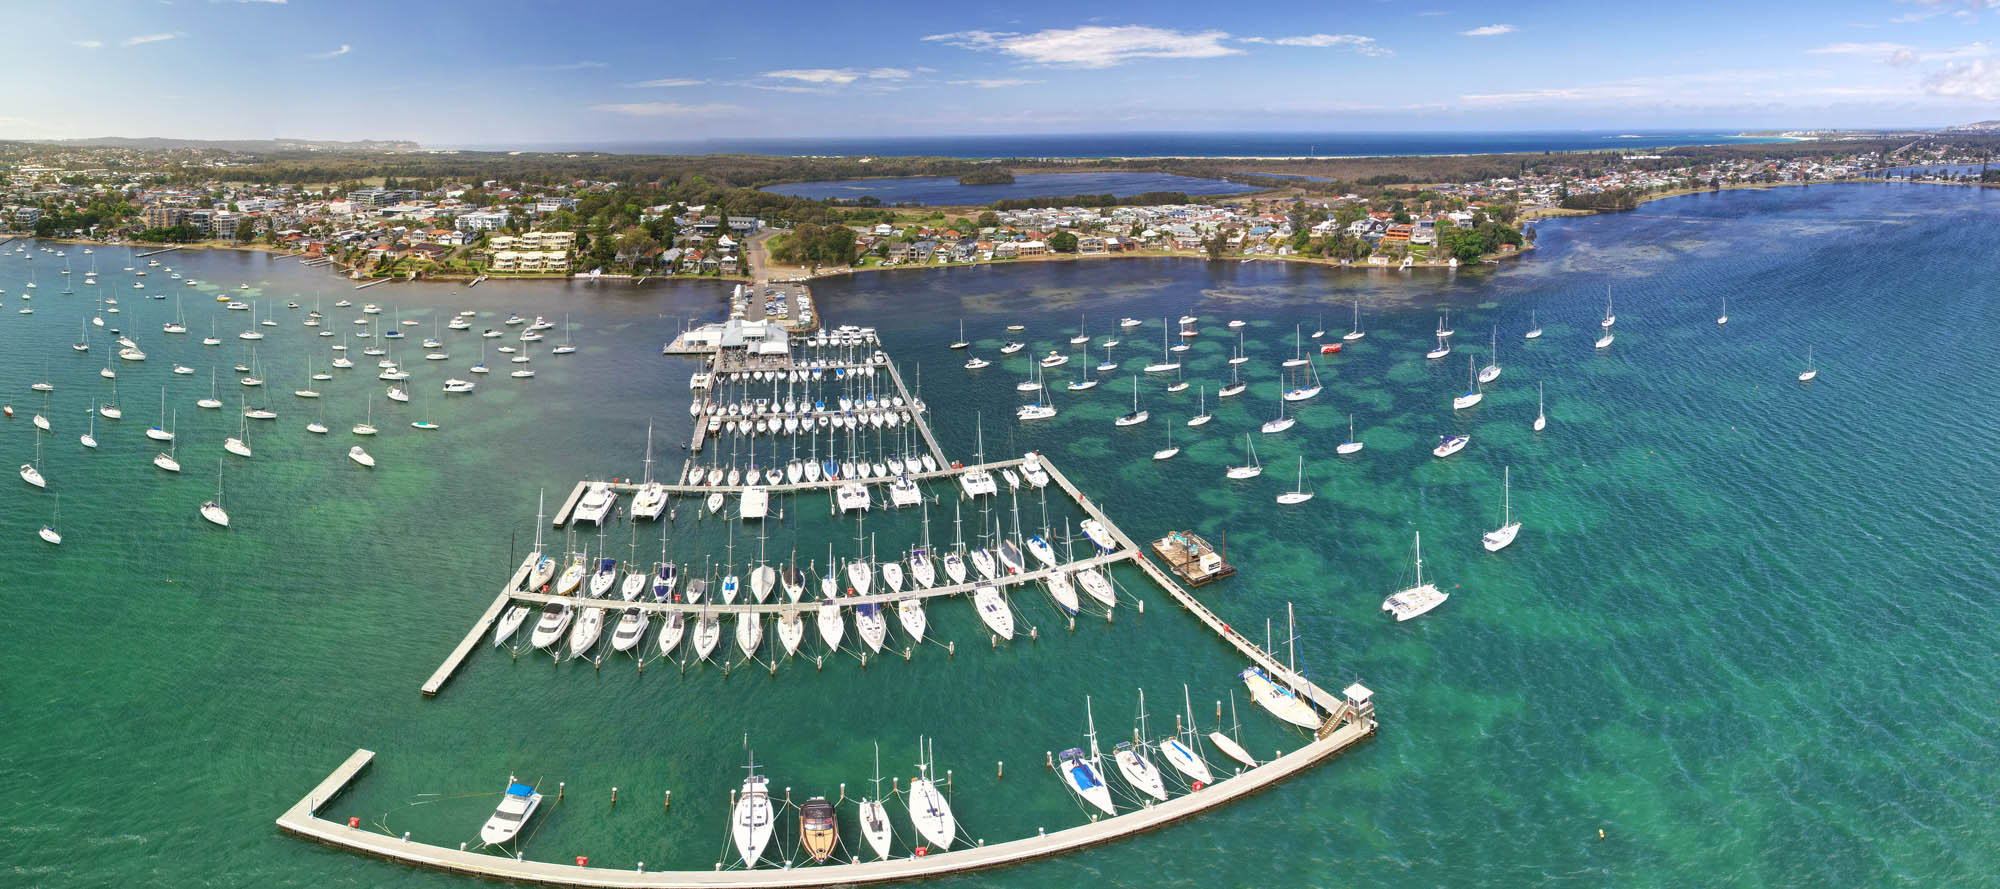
1746 632
945 190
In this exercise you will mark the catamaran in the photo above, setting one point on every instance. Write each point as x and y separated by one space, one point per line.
1419 598
1498 538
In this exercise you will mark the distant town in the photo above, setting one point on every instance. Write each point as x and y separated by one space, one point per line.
428 226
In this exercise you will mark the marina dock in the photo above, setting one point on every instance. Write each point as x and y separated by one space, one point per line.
1344 720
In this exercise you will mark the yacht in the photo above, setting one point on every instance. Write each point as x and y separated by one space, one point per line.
517 805
360 456
993 610
1419 598
1280 701
750 825
1498 538
1450 444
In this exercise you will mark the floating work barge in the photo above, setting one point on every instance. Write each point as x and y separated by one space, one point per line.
1192 557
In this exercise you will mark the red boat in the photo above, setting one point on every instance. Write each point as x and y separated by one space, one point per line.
1189 331
1329 348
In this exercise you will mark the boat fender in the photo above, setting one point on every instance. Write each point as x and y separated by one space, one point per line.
955 464
353 822
582 861
1197 785
921 851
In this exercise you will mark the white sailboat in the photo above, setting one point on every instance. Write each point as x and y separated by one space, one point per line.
1229 746
875 816
1134 766
1298 494
1609 318
1724 317
1248 470
1541 416
930 812
1491 371
1534 329
1168 452
1811 371
1080 773
993 610
1472 394
1167 363
1420 597
1356 333
1498 538
1202 415
961 343
1298 348
1352 445
1282 423
49 532
1181 752
212 510
753 818
1282 702
1137 416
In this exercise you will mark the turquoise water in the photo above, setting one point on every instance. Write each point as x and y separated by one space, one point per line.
1745 631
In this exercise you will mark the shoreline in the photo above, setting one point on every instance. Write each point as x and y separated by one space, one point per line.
1541 213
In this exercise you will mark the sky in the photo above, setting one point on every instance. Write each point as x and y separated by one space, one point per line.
510 73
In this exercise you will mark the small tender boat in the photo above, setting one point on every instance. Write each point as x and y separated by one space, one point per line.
819 830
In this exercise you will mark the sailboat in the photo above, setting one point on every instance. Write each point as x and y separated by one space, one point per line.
1201 416
49 532
31 472
1491 371
1724 317
930 812
1183 754
1229 746
1298 349
1351 445
1498 538
1133 764
1307 389
1541 417
1168 452
875 816
1282 702
1811 371
1167 363
1137 416
751 822
1240 357
1356 333
1080 337
1080 773
960 344
1419 598
1298 494
1604 342
1472 394
1235 387
166 461
1443 349
1282 423
1107 364
158 432
212 510
1444 329
367 428
1040 408
89 439
1248 470
1609 319
568 343
1534 329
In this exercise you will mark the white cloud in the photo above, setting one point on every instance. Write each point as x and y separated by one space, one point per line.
568 66
669 82
88 44
1489 31
1572 94
664 109
1363 45
343 50
146 38
1094 46
993 83
1978 79
1431 12
826 79
1903 55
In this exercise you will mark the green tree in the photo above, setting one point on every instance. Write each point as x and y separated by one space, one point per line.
1217 244
246 230
1062 242
989 219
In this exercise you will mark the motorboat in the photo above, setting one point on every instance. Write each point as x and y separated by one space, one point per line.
1450 444
517 805
819 829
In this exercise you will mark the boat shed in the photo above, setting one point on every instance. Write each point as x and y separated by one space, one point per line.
750 338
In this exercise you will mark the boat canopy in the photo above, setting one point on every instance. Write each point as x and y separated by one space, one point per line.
519 789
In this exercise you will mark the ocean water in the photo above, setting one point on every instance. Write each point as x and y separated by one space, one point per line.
1230 144
945 190
1745 633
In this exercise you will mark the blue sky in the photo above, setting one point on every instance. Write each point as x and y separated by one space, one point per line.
508 72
